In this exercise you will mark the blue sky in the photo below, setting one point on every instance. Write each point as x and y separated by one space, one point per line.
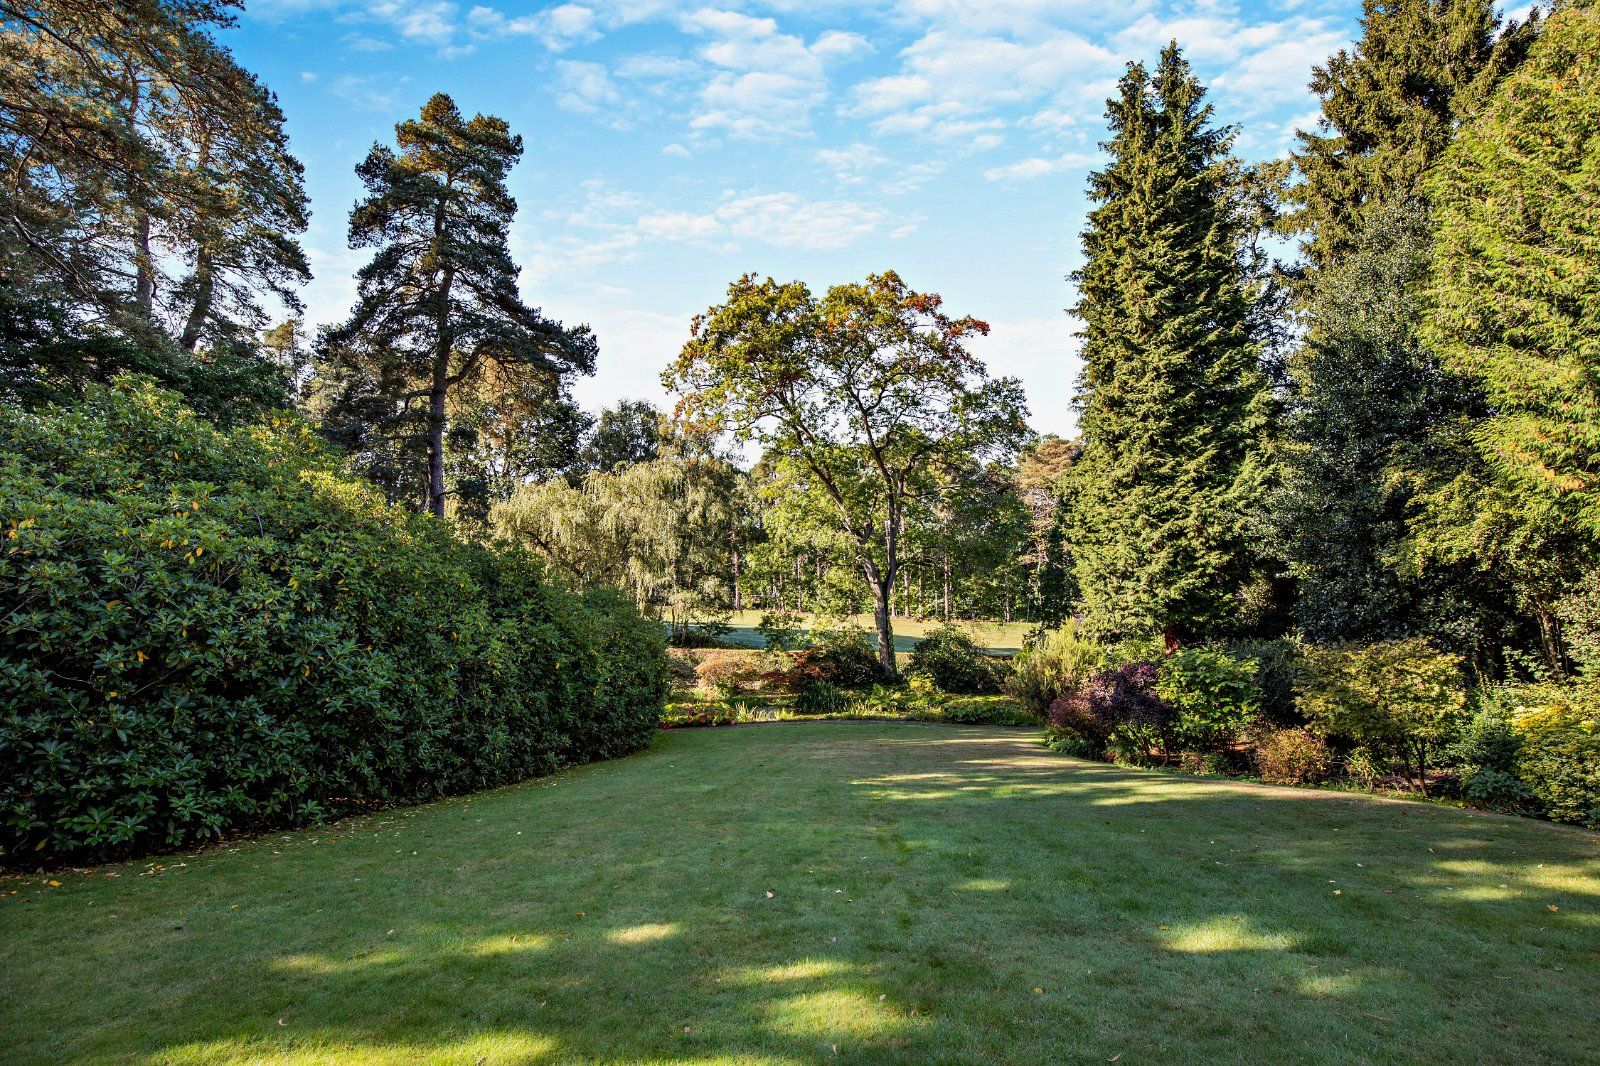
671 146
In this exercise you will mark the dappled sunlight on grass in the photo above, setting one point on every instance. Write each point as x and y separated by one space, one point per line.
804 970
509 944
984 884
834 1014
322 964
1232 932
316 1049
642 934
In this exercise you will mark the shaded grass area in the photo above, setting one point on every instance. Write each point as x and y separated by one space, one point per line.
999 638
937 894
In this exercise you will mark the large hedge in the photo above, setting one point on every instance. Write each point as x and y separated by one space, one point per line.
205 630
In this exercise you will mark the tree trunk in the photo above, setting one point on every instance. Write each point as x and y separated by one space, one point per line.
1169 638
204 288
444 343
947 587
880 616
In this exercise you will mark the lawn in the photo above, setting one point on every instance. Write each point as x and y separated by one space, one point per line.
825 892
1000 638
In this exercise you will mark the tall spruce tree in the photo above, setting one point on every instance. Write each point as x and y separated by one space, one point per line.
437 307
1172 400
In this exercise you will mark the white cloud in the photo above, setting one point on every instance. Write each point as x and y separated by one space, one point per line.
419 21
947 78
764 83
851 165
783 220
365 93
587 89
677 151
557 28
1039 167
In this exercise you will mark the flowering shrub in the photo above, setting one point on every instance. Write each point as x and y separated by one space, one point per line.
212 630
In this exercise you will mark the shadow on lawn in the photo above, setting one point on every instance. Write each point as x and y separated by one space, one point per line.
941 895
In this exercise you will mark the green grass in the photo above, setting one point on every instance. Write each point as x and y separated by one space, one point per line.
821 892
1000 638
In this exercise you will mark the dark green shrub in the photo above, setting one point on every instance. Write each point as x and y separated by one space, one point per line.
949 658
844 657
821 697
1078 746
1276 662
1216 696
214 630
1059 662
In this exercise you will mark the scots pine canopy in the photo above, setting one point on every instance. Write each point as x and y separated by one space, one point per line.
1172 398
437 308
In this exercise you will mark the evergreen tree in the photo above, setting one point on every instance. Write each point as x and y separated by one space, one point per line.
1054 590
1364 392
151 200
1173 402
1389 107
1515 306
627 433
437 306
131 143
1516 290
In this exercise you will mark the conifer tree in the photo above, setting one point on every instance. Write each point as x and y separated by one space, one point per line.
1365 393
1389 107
1172 399
1516 289
1514 305
437 307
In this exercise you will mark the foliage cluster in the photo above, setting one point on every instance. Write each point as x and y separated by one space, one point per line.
210 630
950 658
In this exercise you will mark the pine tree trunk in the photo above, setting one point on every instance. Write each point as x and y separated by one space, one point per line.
444 342
205 287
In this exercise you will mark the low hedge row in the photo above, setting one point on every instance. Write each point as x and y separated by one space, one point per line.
205 630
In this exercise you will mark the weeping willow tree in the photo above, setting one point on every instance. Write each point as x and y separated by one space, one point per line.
664 531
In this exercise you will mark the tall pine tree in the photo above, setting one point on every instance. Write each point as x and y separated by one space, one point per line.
437 307
1172 400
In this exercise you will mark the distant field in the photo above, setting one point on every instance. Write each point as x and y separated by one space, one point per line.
1001 638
